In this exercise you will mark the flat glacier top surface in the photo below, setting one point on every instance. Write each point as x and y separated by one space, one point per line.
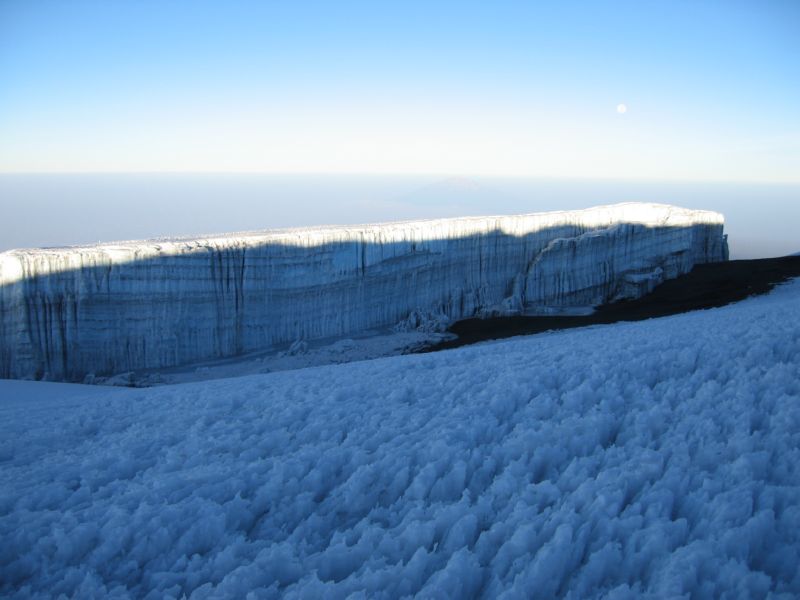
651 459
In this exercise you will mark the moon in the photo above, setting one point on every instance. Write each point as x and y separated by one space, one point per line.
622 109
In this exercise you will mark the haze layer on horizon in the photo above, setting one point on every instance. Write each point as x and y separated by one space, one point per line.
68 209
670 91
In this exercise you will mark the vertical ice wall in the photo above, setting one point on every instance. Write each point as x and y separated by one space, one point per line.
111 308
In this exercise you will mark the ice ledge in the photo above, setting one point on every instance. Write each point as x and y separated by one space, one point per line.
112 308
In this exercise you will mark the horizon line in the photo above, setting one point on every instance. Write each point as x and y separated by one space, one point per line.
442 175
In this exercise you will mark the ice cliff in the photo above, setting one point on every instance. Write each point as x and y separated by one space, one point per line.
67 312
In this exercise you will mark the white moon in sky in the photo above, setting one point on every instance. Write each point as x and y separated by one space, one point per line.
622 109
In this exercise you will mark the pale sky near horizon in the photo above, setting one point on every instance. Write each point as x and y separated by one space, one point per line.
712 89
65 209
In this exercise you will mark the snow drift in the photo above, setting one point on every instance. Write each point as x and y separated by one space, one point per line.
68 312
658 459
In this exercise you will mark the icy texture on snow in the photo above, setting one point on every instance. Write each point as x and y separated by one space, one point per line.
654 459
68 312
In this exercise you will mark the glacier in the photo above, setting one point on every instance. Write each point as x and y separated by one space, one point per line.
66 313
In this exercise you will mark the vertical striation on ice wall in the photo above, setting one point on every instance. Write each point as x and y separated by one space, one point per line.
67 312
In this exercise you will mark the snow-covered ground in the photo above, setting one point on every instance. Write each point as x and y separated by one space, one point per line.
650 459
298 355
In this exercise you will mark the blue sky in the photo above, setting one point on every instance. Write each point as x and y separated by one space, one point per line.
455 88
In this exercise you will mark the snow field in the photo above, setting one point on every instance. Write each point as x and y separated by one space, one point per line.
652 459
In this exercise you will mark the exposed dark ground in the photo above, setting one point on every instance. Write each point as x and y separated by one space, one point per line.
706 286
